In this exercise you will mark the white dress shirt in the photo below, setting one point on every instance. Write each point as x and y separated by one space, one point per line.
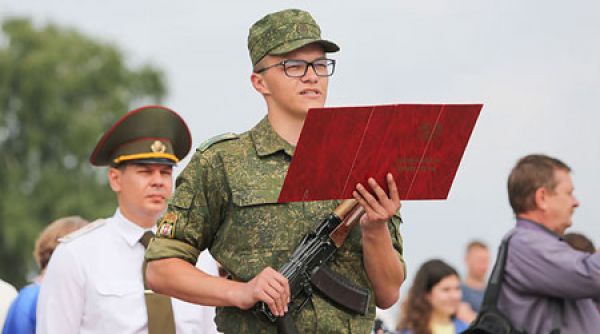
7 294
197 319
93 284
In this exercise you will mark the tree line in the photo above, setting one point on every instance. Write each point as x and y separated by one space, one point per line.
59 91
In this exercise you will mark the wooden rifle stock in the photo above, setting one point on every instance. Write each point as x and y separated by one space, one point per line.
354 213
345 207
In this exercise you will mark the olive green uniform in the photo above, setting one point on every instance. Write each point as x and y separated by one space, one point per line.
226 201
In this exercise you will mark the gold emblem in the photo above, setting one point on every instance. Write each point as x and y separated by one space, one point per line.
429 131
158 147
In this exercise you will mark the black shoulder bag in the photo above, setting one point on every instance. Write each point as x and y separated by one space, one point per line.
490 319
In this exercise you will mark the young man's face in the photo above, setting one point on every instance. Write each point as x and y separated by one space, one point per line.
142 189
561 203
294 96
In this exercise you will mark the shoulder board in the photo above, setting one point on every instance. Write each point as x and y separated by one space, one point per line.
84 230
216 139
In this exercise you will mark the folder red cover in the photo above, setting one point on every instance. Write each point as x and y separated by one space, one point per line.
420 144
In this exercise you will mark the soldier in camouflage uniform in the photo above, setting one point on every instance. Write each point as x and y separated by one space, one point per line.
226 201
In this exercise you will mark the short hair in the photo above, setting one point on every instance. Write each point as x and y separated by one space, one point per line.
580 242
475 244
529 174
48 239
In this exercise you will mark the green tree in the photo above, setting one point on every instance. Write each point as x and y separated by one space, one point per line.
59 91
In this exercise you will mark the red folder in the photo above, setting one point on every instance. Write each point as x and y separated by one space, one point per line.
420 144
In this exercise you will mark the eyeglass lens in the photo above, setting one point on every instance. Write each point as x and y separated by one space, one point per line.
298 68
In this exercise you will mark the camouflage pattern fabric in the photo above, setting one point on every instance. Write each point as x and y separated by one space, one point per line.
226 201
285 31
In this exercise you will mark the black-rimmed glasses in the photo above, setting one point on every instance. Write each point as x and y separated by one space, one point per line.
296 68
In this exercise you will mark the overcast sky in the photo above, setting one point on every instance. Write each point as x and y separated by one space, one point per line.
535 65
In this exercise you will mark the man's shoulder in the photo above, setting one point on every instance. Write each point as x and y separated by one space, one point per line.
86 234
528 245
225 145
470 290
529 238
217 142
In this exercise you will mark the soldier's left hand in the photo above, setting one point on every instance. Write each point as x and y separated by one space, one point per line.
381 207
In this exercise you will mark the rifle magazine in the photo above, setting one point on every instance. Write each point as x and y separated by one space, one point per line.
340 290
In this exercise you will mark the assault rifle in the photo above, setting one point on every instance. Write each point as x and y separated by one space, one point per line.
306 270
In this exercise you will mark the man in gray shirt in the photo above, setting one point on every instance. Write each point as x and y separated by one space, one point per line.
544 277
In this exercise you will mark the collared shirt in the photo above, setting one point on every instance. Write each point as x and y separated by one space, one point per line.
540 270
226 201
93 283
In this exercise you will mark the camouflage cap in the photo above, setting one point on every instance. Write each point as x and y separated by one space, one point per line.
150 134
285 31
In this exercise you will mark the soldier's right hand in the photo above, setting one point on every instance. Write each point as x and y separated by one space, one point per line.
270 287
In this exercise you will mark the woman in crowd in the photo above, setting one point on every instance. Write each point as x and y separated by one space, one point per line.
21 315
432 301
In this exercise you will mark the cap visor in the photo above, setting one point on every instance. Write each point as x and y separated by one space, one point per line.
153 161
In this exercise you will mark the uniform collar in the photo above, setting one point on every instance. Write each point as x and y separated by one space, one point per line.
130 231
267 141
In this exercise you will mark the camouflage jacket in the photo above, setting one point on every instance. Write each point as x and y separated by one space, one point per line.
226 201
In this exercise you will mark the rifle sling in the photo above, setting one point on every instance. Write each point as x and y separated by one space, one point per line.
340 290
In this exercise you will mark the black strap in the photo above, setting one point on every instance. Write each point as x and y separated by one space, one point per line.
557 322
492 291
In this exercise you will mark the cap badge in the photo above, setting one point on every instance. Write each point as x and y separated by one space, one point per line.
302 28
158 147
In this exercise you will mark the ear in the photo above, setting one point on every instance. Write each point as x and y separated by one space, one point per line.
259 83
114 179
540 198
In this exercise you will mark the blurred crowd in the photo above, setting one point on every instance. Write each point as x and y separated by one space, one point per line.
438 296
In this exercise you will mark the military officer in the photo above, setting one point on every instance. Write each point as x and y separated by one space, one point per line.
94 280
226 201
